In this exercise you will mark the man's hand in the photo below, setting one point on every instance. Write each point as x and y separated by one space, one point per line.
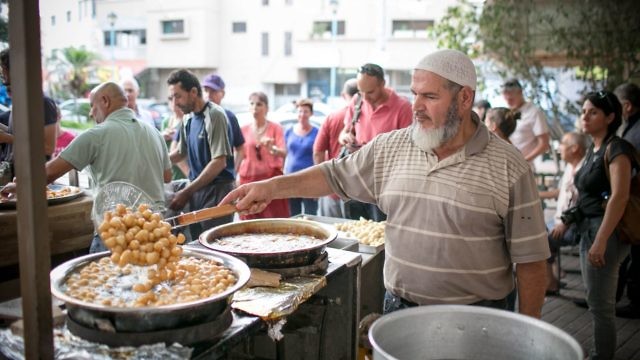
558 231
251 198
348 139
180 199
9 190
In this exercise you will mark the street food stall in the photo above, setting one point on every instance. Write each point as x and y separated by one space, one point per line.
312 312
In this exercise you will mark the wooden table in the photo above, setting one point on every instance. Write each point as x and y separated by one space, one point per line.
70 230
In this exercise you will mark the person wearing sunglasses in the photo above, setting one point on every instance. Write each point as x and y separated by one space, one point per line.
601 249
380 110
531 136
462 204
629 96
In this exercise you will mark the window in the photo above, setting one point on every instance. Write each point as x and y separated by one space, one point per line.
411 28
53 20
287 89
239 27
265 44
288 2
322 29
126 38
172 27
68 16
287 43
107 38
265 2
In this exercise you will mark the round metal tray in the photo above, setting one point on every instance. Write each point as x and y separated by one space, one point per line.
139 319
77 192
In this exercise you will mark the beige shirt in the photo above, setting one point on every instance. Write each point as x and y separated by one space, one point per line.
454 227
532 123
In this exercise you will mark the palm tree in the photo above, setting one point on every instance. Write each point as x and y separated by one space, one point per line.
73 64
78 60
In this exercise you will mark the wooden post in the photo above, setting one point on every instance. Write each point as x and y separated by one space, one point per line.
33 229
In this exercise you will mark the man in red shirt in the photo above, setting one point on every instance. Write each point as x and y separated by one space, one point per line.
381 111
327 146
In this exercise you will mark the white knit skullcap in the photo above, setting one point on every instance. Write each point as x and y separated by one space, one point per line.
452 65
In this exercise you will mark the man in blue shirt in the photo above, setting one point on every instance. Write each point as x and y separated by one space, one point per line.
213 87
204 142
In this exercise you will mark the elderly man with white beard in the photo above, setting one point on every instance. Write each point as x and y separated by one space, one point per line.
462 205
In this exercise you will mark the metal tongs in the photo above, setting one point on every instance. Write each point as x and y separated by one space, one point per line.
200 215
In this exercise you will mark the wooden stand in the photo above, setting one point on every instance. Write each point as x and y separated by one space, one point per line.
70 229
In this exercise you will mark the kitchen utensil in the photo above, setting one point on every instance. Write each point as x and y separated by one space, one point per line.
468 332
273 259
140 319
200 215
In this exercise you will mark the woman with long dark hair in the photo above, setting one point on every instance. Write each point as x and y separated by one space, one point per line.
601 202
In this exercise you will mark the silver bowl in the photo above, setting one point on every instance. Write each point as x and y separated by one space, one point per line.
468 332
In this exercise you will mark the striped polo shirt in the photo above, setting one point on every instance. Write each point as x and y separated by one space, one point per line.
454 226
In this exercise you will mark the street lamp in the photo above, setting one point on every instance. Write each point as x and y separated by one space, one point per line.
112 17
334 32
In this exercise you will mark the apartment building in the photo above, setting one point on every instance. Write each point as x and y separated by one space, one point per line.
285 48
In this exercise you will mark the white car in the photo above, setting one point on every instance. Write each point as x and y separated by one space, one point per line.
75 110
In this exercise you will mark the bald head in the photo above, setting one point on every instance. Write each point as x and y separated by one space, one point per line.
105 99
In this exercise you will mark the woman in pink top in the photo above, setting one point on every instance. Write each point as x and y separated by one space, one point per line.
265 151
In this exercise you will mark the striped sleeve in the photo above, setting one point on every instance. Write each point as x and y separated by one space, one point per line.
525 230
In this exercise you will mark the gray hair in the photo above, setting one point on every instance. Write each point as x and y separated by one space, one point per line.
579 139
133 82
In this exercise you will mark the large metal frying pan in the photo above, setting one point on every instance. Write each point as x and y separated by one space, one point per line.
273 259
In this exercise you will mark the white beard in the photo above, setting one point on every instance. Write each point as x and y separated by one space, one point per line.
427 140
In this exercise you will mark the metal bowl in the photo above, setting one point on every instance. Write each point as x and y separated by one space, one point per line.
468 332
141 319
273 259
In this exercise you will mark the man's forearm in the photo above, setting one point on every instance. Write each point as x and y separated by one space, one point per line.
175 157
532 282
308 183
318 157
213 168
542 145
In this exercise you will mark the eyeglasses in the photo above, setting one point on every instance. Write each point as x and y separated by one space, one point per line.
372 70
258 155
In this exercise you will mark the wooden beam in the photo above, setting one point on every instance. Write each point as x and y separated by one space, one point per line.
33 233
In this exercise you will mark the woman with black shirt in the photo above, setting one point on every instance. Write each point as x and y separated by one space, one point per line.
601 251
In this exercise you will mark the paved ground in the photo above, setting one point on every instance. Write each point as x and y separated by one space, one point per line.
563 313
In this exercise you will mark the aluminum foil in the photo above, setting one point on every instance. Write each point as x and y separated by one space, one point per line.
273 303
69 346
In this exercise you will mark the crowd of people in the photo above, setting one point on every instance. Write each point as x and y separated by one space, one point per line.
454 179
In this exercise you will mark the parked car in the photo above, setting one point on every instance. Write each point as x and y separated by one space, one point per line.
75 110
158 110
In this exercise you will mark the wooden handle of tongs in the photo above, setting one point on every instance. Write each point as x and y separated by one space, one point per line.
206 214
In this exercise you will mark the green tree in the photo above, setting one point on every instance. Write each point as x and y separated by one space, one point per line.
533 39
77 61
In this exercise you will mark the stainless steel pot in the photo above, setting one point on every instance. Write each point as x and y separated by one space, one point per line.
274 259
144 319
468 332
